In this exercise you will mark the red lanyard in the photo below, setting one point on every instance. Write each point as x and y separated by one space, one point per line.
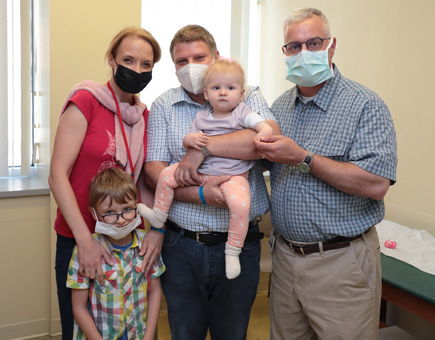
123 131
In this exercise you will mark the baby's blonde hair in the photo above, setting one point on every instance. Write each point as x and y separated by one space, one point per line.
225 66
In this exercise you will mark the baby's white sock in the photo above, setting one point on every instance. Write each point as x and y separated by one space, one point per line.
232 262
155 216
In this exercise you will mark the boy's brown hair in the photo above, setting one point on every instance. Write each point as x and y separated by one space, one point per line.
113 183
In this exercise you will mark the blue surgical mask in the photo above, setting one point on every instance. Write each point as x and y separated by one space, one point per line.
308 68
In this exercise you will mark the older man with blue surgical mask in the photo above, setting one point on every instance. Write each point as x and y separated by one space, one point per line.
332 167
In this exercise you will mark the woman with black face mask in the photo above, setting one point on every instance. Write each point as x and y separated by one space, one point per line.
101 126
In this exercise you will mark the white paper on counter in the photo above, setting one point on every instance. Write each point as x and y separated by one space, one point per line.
415 247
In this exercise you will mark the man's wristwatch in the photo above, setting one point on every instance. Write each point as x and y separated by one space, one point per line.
205 151
304 166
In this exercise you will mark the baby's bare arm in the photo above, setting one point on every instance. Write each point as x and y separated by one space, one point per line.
195 140
263 129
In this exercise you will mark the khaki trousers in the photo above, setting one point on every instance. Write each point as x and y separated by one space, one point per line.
331 295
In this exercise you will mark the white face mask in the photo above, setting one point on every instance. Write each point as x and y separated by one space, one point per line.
115 232
191 77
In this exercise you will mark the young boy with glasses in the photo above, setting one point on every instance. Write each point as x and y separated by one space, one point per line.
127 305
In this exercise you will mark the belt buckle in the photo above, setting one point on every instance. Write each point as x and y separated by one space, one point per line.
301 249
198 234
197 238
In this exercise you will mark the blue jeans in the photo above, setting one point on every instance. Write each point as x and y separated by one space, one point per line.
64 250
198 294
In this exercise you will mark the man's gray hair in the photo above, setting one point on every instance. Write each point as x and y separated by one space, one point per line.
305 13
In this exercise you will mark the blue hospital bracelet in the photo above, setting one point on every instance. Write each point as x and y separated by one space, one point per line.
201 195
161 230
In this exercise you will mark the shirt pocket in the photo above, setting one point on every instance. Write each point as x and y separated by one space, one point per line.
335 150
110 283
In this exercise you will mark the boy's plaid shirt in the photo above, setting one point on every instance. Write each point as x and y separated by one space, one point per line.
121 303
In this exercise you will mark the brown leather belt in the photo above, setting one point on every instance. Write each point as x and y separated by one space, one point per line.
332 244
211 238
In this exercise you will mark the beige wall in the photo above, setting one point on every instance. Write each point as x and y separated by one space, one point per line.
80 32
25 270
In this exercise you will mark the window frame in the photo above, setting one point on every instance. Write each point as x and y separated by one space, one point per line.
29 178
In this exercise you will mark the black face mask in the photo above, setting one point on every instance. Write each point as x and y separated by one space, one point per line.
130 81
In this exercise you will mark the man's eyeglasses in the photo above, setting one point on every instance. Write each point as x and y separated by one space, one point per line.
127 215
295 47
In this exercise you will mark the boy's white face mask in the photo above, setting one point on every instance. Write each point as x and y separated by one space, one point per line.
191 77
115 232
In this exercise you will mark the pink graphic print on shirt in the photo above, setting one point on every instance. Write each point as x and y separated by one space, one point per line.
110 150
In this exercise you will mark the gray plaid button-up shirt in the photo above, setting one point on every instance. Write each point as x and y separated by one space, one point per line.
345 122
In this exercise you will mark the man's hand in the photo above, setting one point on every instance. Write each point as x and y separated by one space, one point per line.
279 149
213 194
90 258
150 250
187 170
343 176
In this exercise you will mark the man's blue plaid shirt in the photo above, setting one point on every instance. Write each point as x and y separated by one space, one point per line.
345 122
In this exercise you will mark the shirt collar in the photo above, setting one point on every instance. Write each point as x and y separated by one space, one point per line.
109 247
180 95
324 96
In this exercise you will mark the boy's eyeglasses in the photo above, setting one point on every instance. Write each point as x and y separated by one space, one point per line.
127 215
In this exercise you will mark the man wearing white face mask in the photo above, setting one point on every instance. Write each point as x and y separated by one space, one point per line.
191 77
333 166
198 294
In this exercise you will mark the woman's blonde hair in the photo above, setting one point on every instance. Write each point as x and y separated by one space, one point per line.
113 183
136 32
